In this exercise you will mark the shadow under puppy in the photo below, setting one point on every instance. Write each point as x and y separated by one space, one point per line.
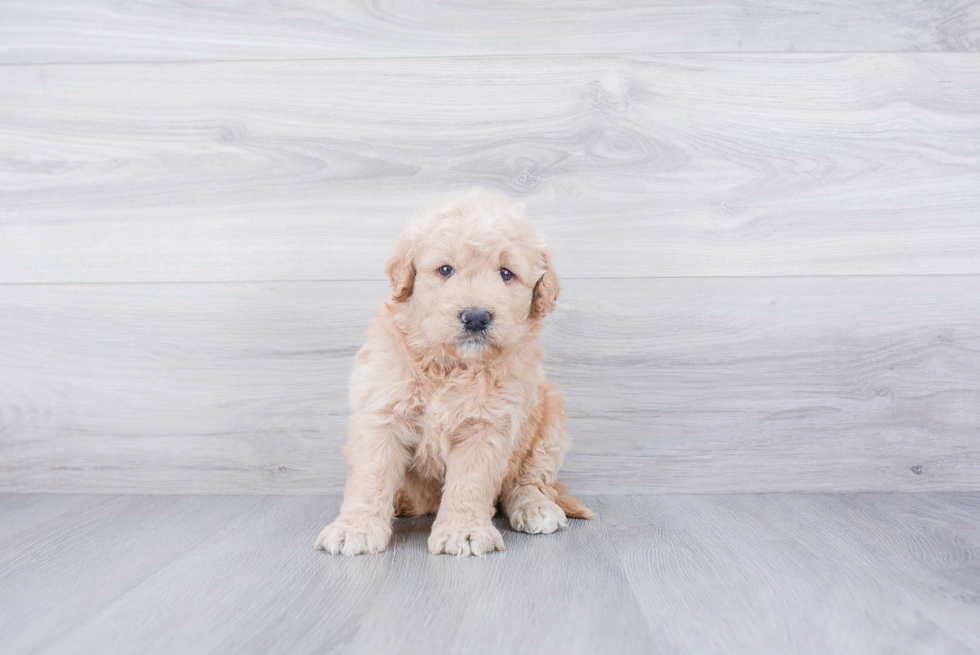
450 408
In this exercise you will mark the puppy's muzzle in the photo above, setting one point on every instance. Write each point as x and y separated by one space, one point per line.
475 320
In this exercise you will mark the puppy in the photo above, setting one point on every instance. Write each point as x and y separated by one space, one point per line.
450 408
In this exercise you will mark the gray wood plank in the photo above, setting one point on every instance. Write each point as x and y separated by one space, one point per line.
195 387
791 574
729 573
100 30
968 504
558 593
678 165
695 384
22 512
65 569
791 382
275 593
257 585
928 546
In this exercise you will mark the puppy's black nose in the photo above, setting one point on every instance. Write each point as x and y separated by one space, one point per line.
475 320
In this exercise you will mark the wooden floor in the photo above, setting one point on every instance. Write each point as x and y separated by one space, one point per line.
818 573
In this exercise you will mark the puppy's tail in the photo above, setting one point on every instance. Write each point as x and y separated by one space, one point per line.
573 507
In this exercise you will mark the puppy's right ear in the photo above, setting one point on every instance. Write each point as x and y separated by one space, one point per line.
401 267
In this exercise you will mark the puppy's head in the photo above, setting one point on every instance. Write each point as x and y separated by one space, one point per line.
471 276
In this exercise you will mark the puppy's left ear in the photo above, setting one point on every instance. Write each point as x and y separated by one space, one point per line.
546 290
401 267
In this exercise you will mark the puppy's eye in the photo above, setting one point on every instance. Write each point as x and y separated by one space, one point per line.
446 270
507 275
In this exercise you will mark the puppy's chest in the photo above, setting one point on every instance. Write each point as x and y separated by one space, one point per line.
446 407
443 401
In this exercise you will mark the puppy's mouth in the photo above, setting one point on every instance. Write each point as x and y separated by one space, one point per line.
474 340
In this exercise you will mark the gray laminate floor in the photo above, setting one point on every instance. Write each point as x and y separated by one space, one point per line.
827 573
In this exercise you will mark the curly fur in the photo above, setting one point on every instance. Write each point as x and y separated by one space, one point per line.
444 421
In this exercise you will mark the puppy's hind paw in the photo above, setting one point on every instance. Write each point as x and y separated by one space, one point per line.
354 536
539 516
476 539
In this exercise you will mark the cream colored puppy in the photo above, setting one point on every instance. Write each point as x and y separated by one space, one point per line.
450 408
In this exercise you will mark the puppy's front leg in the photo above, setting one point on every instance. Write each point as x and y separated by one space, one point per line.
475 468
378 456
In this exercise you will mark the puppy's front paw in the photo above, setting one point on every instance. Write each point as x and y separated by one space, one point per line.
472 539
537 516
354 536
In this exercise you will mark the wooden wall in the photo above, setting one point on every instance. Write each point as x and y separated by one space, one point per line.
766 214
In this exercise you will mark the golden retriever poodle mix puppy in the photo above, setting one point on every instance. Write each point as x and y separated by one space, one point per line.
450 408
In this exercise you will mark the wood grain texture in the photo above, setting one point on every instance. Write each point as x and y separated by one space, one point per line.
25 512
678 165
698 384
94 554
759 574
257 585
565 594
101 30
276 593
878 573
